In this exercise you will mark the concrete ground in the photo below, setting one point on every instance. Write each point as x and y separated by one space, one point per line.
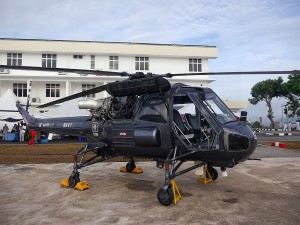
256 192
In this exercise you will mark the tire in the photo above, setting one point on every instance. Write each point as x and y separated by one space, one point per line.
213 172
165 197
130 167
73 180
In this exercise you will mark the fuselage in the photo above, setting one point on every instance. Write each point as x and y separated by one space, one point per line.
207 131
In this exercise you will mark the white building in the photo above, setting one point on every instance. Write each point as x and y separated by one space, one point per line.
108 56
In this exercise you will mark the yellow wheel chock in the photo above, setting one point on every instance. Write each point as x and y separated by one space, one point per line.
65 183
176 192
81 186
206 177
123 169
136 170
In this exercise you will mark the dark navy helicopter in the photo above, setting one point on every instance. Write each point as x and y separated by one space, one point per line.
147 117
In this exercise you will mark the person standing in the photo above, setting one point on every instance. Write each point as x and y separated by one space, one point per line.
32 140
13 130
17 132
290 126
297 125
5 132
285 126
22 132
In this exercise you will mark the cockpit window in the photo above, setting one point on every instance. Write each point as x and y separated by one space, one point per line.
153 110
218 108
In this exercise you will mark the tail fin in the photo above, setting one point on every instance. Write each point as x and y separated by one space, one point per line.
28 95
29 120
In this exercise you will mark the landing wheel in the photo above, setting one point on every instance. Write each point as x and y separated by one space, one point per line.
130 166
165 197
213 172
73 180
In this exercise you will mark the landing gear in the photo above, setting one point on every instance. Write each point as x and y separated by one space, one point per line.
213 173
169 192
165 197
74 179
130 166
210 174
98 152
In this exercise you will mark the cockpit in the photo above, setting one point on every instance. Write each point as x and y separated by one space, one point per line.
202 117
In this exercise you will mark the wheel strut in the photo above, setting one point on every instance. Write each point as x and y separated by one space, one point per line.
169 192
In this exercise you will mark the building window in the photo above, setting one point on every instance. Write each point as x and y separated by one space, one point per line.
77 56
86 87
195 65
49 60
141 63
52 90
92 62
113 62
20 89
14 59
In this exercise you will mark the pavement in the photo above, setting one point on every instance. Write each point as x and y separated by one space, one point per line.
260 192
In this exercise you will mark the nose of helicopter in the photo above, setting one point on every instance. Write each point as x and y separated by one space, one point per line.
238 137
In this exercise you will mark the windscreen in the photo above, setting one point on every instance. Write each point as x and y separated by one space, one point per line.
153 110
218 108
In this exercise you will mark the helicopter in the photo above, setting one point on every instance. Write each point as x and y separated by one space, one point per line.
145 116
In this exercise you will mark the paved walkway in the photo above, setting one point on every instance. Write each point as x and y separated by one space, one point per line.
264 192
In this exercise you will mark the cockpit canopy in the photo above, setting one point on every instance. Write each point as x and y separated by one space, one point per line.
184 101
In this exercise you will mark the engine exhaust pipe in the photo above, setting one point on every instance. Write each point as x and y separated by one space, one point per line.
88 104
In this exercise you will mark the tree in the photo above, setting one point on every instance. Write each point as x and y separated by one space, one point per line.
291 90
256 124
265 91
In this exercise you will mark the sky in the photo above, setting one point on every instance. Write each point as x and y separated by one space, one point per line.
251 35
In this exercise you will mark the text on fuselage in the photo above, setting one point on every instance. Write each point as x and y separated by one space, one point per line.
67 124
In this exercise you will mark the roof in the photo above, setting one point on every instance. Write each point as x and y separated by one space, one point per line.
111 48
108 42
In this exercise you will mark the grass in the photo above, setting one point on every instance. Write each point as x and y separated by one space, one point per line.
62 153
43 153
40 148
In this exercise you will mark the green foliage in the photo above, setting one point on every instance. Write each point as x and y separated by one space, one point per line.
265 91
292 86
268 89
256 124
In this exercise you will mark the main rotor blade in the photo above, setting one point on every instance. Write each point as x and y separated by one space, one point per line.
111 73
66 70
7 110
78 95
234 73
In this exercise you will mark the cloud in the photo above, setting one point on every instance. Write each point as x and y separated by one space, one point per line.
250 34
